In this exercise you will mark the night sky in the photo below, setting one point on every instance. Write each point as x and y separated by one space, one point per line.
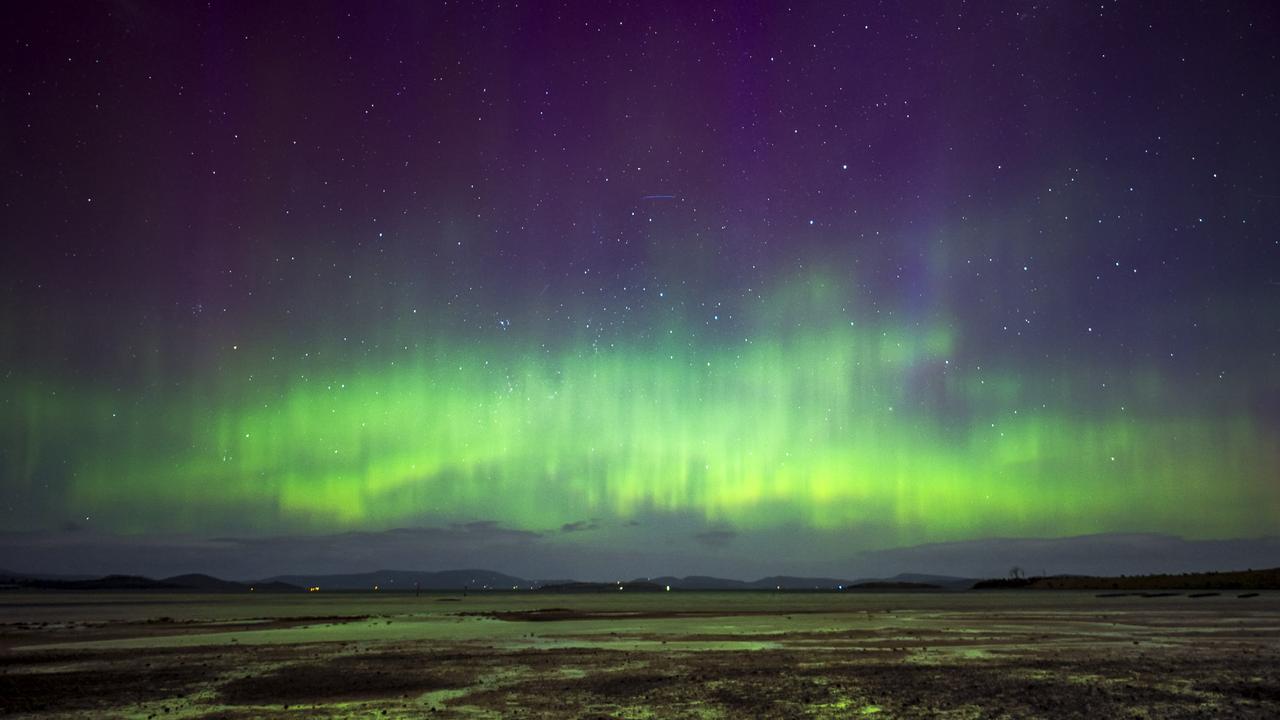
658 286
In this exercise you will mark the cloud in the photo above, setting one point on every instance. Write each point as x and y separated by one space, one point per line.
716 538
469 533
579 526
481 543
598 549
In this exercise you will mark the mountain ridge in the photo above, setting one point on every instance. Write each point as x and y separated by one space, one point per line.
476 579
491 581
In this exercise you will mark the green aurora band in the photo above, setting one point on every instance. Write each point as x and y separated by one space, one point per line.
828 424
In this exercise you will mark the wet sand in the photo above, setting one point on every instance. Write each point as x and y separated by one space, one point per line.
694 655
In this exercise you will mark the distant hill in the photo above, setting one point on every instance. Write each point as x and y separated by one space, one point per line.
405 580
904 581
589 587
205 583
1231 580
696 582
889 586
273 587
789 582
190 582
480 580
775 582
408 580
109 582
944 582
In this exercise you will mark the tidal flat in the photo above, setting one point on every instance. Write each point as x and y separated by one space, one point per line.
1012 654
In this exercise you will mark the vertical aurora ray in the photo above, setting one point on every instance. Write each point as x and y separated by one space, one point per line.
819 273
817 423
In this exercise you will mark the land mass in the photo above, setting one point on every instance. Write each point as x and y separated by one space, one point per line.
471 580
476 580
639 654
192 582
1268 579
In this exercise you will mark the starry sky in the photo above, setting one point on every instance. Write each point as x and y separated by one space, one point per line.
741 282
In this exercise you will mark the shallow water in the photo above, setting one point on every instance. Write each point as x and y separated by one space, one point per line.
696 654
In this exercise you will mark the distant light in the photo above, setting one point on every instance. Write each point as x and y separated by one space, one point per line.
668 588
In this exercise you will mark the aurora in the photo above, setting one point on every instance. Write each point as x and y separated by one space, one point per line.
810 281
825 424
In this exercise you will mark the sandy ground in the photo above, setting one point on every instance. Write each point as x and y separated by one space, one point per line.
694 655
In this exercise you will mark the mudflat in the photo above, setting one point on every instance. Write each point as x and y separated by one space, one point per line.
682 655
